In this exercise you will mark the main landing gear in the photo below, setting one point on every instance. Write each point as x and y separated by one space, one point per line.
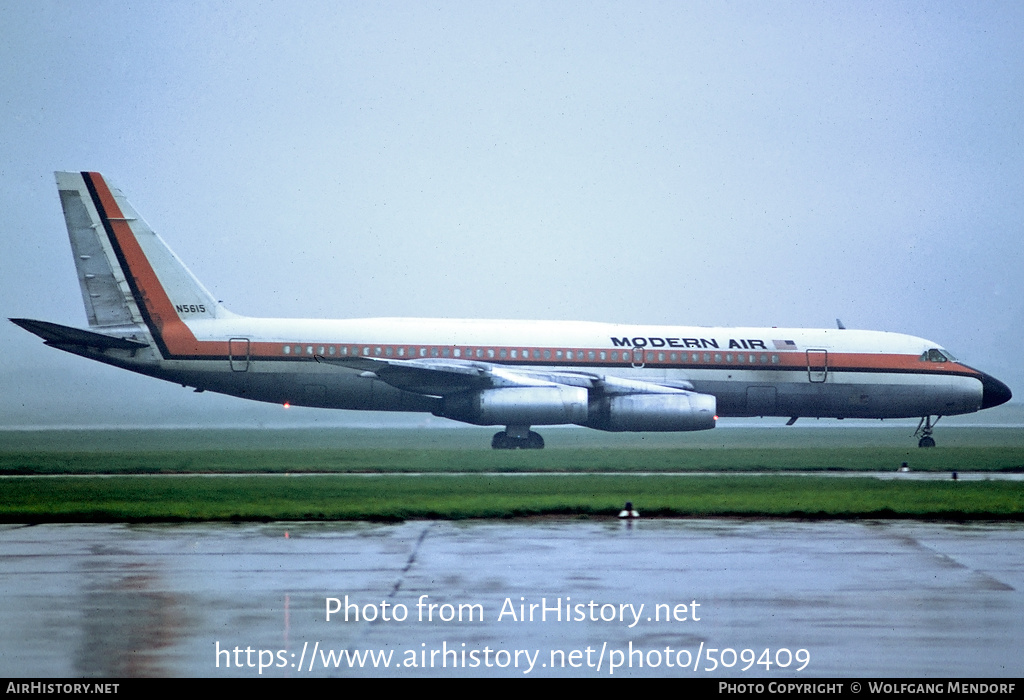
924 431
517 437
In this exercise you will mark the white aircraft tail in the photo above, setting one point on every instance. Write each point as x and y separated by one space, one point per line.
127 273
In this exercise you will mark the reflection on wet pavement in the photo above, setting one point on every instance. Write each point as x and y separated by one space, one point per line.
868 598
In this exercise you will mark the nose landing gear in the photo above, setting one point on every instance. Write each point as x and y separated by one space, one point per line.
924 431
517 437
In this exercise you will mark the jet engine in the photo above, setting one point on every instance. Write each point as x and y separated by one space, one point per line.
527 405
653 412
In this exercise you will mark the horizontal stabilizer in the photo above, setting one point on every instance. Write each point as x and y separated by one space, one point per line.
55 334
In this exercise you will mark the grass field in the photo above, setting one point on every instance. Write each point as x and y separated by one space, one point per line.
365 474
379 497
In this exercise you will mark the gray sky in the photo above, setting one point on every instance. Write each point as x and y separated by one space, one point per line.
680 163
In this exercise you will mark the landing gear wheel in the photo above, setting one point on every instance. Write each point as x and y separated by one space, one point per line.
503 441
924 431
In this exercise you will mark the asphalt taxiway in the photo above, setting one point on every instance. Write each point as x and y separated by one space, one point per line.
580 598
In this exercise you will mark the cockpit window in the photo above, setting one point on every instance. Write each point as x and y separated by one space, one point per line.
936 355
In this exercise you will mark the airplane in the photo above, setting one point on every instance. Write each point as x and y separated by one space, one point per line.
148 314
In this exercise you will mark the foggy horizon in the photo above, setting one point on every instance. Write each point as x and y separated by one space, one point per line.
672 164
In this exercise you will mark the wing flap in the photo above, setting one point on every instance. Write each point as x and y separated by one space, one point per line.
432 377
440 377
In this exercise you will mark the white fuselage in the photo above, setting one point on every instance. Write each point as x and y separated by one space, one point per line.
147 313
750 371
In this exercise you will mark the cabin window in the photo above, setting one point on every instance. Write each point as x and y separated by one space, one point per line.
287 349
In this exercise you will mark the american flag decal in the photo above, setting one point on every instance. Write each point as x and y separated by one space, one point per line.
784 345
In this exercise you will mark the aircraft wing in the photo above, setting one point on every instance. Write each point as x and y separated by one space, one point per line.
440 377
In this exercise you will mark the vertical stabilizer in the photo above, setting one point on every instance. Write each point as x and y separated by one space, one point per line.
105 291
127 273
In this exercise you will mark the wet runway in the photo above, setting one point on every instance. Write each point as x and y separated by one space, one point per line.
538 597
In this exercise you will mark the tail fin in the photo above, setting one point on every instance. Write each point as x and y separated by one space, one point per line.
127 273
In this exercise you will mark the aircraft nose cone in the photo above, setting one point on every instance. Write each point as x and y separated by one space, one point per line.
993 391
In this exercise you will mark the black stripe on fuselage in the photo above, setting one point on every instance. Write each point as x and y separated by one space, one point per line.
125 268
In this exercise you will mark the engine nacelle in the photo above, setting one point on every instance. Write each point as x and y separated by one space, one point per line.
527 405
653 412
